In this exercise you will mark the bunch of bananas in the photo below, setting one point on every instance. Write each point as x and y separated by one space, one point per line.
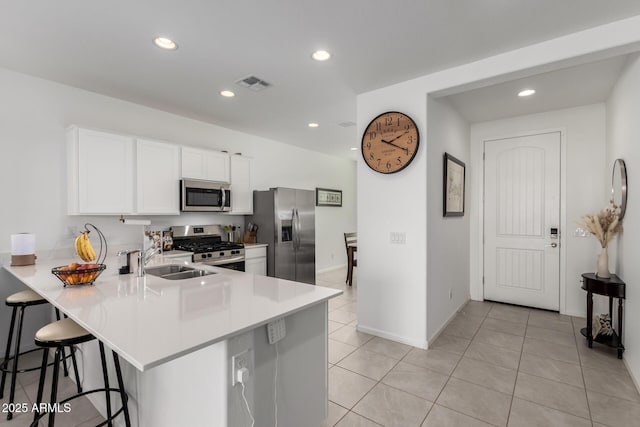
84 248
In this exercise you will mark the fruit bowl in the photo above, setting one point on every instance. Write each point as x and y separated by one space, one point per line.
78 274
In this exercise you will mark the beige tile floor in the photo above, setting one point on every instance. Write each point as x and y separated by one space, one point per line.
82 414
494 365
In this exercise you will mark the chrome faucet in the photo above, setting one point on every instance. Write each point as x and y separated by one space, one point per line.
126 269
144 257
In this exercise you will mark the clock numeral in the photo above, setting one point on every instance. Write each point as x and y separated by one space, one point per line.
368 145
407 126
388 121
379 162
371 156
410 139
388 165
372 135
398 121
378 126
399 161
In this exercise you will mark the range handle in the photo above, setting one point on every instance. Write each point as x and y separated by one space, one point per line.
225 261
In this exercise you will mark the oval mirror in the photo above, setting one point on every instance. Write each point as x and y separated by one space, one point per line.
619 186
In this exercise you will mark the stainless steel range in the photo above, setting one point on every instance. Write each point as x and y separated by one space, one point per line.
205 241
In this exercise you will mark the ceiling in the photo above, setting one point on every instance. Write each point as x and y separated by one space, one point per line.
569 87
106 47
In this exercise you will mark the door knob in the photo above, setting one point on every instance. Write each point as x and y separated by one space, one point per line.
553 245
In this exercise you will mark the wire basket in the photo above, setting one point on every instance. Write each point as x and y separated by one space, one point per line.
78 276
84 274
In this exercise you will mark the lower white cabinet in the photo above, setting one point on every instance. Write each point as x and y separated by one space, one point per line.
255 259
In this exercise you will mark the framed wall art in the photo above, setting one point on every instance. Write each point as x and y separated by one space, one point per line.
453 183
327 197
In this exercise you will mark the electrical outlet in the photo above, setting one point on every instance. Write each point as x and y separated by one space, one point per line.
450 294
240 361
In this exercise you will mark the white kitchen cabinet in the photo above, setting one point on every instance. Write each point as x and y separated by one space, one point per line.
157 177
241 189
100 172
255 259
205 164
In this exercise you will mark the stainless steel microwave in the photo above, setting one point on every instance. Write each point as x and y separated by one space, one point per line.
204 196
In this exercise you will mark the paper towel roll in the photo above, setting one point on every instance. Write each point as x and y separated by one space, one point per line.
23 244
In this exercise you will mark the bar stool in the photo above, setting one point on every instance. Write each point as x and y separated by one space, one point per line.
19 301
64 333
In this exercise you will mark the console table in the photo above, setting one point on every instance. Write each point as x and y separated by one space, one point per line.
612 287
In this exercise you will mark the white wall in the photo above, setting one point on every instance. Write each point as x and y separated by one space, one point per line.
392 281
392 295
33 116
584 174
448 238
35 112
623 137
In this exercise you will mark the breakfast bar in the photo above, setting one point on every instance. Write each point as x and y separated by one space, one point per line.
179 337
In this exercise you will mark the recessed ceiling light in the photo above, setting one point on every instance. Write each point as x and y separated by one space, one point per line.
354 148
526 92
165 43
313 125
227 93
321 55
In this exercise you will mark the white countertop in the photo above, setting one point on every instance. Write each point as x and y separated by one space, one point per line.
150 320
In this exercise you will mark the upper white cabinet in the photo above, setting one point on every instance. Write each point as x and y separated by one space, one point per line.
205 164
100 172
241 189
157 177
111 174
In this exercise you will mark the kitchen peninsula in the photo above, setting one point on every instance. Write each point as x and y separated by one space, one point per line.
178 338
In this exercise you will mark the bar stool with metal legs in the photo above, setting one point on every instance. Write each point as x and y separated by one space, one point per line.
63 333
19 301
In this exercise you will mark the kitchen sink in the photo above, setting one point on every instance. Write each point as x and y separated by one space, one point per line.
177 272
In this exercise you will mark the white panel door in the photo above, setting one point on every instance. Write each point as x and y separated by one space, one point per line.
522 207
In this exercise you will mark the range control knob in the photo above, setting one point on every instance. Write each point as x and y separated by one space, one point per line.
221 253
209 255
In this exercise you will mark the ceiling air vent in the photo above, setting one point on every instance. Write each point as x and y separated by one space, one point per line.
253 83
347 124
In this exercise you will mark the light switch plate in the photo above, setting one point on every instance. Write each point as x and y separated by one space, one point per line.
397 237
581 232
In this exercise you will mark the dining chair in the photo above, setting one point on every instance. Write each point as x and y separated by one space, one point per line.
351 245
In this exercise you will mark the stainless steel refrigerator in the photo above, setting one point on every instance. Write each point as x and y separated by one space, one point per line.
286 221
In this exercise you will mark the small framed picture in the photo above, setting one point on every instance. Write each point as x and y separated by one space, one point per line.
453 183
328 197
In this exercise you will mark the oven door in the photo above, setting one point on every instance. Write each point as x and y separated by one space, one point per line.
204 196
236 263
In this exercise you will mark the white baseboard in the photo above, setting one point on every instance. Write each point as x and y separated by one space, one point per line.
631 374
331 268
444 326
393 337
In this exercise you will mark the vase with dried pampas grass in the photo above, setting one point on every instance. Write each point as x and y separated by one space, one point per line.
604 226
